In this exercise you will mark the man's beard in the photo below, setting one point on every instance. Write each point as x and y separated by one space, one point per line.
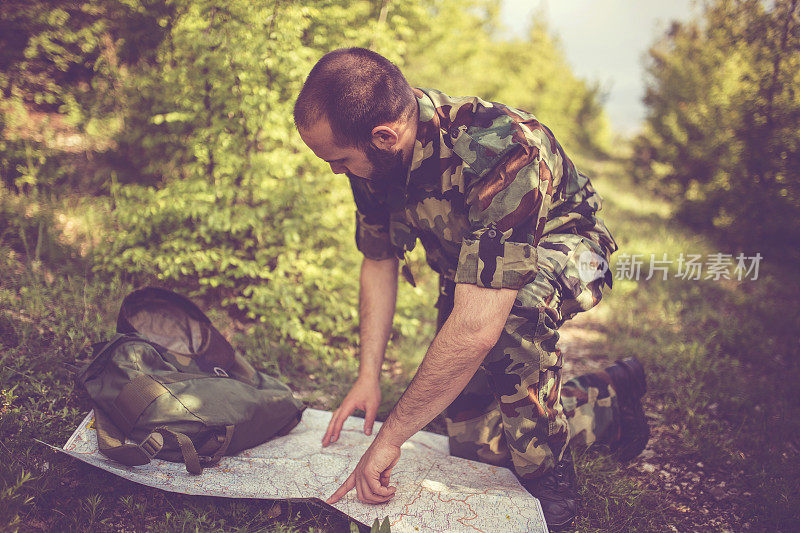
388 177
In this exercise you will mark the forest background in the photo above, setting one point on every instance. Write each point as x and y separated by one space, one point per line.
151 142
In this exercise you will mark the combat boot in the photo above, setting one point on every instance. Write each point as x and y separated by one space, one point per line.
627 376
557 491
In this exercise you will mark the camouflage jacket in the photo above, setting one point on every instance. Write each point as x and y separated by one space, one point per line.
486 183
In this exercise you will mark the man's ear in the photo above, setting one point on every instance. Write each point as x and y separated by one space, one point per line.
384 137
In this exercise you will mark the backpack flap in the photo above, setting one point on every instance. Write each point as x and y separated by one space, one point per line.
172 321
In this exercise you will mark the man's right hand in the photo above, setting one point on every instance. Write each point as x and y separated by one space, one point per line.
365 395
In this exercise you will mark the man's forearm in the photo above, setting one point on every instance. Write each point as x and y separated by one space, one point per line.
377 298
452 359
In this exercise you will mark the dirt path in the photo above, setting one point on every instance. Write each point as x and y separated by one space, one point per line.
581 341
693 497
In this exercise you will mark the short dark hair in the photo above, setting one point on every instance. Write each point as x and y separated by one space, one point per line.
355 89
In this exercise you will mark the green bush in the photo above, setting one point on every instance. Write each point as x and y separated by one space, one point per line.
721 133
248 215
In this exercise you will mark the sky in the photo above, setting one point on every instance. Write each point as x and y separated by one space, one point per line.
605 41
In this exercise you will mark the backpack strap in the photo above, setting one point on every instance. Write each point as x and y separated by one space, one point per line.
111 442
190 457
140 392
222 442
134 398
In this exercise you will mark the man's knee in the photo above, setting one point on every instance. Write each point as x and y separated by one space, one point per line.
585 276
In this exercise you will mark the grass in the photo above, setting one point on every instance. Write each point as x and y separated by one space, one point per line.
722 358
723 361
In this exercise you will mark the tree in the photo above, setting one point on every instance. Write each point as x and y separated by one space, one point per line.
721 132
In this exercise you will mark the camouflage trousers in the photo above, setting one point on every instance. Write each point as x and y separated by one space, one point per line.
515 411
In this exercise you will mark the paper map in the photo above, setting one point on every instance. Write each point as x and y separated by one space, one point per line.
435 492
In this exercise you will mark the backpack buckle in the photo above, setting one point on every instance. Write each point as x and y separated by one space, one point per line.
152 444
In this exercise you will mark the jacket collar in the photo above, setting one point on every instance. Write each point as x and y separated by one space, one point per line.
424 169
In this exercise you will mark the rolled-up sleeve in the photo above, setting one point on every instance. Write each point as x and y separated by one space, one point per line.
372 238
372 223
507 213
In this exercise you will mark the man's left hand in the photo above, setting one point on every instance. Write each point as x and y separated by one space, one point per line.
371 476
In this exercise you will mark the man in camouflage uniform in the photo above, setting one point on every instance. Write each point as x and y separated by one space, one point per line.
509 224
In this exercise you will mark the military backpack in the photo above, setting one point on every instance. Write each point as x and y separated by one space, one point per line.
173 385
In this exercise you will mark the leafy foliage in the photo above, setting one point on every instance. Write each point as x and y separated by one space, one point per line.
721 132
243 211
459 54
212 190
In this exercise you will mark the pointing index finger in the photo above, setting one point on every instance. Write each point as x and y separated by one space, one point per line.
346 487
